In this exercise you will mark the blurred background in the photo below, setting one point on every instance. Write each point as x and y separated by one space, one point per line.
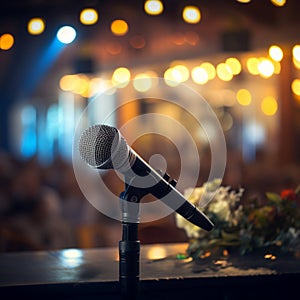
56 56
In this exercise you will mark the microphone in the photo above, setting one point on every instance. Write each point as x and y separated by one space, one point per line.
103 147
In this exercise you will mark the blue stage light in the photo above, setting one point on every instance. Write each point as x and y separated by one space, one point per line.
66 34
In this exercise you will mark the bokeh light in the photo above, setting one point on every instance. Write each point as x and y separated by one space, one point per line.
88 16
296 52
269 106
296 87
181 73
210 70
36 26
296 63
191 14
7 40
252 65
199 75
67 83
121 77
276 53
119 27
224 72
266 68
169 77
156 253
66 34
244 97
279 2
142 82
234 65
153 7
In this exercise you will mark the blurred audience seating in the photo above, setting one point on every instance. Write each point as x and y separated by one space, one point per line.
42 208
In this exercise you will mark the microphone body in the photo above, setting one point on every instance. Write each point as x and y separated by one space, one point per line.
165 191
103 147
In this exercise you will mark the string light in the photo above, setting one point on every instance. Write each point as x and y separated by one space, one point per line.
243 97
36 26
266 68
296 87
252 65
169 78
199 75
6 41
279 2
224 72
269 106
142 82
88 16
234 65
119 27
153 7
191 14
121 77
276 53
296 52
210 70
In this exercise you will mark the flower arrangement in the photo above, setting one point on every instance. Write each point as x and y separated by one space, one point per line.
243 226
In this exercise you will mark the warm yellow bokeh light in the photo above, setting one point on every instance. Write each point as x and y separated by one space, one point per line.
296 52
181 73
199 75
36 26
142 82
277 67
269 106
67 82
100 85
296 87
296 63
234 65
121 77
266 68
119 27
244 97
156 252
224 72
279 2
210 70
169 78
76 83
82 85
88 16
276 53
191 14
252 65
153 7
7 40
243 1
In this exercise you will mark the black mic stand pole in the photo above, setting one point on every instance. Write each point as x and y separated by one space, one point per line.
129 246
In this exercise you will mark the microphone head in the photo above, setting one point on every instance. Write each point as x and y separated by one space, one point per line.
103 147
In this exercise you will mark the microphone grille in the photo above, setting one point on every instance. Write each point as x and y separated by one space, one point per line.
102 146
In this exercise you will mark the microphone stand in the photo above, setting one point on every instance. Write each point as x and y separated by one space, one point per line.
129 246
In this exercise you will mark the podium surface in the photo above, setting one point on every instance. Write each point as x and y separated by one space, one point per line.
93 274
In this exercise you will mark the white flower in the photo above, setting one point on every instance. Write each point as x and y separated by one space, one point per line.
215 199
220 207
